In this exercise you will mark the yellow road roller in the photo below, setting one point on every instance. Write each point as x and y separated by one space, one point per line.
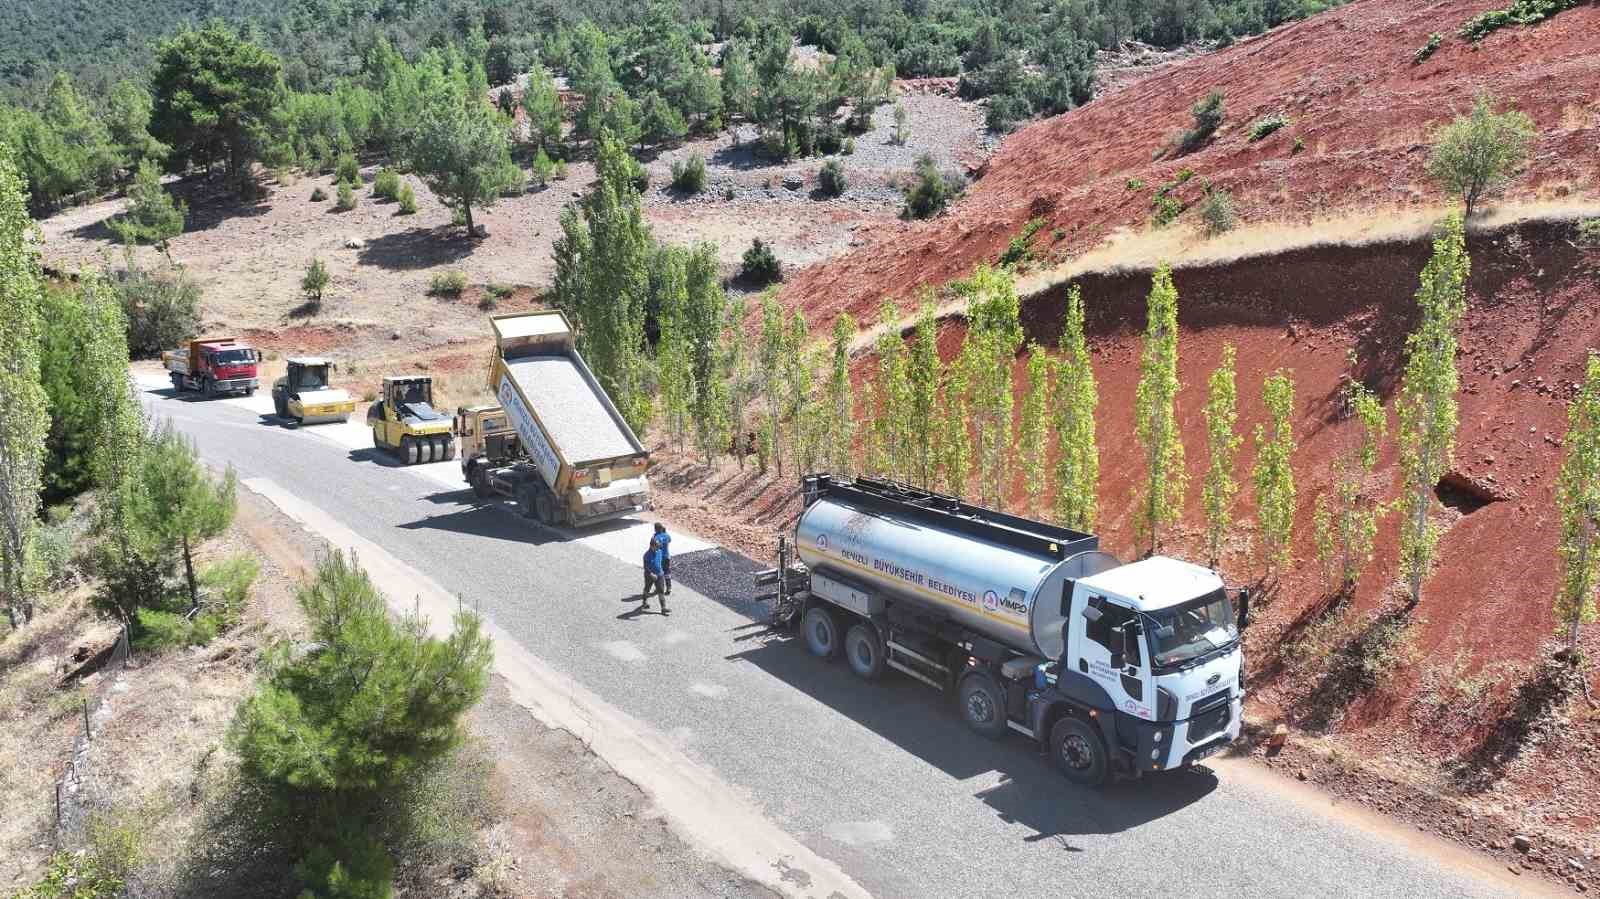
404 422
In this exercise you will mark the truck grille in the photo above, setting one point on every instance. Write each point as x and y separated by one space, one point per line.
1211 717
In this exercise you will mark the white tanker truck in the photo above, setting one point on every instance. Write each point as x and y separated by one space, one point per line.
1109 667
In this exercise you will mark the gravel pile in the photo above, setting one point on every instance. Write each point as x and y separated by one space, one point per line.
725 576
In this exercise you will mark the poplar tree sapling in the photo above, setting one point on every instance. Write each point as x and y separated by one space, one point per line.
840 433
1427 403
1156 423
1578 501
1274 474
1075 401
922 391
1222 438
1347 515
1032 431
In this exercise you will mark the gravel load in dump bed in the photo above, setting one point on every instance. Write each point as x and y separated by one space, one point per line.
574 415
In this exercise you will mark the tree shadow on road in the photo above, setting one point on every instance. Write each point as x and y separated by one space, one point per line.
417 248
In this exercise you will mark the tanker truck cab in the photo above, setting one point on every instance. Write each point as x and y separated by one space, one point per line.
1158 638
1028 626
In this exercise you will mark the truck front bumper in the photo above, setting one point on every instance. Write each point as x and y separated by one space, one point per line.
1168 745
236 385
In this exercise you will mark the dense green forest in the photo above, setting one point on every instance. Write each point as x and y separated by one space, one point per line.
95 89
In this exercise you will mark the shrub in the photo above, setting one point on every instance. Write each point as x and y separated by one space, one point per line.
1135 184
1299 145
1477 154
1005 110
1266 125
849 147
347 169
1427 49
226 588
932 191
1208 115
560 173
1520 12
448 284
832 180
347 197
1589 232
689 175
161 630
1167 206
458 217
493 294
315 281
408 200
829 139
386 184
1021 249
318 195
543 168
902 124
1217 212
163 309
760 265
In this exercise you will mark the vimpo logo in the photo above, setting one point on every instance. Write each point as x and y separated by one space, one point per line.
991 600
822 541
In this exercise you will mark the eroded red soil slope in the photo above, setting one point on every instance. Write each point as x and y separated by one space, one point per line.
1359 110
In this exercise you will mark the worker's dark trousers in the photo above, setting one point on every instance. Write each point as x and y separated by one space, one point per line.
656 583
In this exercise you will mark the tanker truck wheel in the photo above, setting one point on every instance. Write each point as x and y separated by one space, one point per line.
983 706
1079 752
864 651
821 631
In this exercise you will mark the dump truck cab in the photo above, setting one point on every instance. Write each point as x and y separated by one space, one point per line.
487 439
306 395
404 422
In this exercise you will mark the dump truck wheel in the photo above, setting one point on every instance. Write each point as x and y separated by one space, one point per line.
821 632
864 651
478 477
1079 752
208 388
544 507
983 706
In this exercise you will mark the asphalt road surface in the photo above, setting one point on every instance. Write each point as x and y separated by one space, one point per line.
882 779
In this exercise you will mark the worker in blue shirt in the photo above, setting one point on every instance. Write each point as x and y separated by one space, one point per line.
654 576
664 540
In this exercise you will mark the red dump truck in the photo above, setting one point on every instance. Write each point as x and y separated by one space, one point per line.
213 366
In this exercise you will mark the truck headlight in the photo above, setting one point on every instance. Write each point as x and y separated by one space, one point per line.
1157 737
1155 754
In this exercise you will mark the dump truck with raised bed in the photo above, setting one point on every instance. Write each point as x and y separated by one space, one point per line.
555 443
306 395
1109 667
213 366
404 422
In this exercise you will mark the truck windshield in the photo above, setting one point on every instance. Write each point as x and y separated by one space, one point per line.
1188 631
233 357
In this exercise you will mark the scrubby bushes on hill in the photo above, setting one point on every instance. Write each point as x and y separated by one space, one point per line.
831 180
760 265
689 175
932 191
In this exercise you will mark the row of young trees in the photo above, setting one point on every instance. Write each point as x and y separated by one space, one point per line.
954 426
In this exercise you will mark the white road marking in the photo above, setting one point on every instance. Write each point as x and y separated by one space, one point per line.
860 833
624 651
712 691
698 804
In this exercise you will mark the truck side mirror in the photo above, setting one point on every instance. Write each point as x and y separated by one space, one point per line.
1244 608
1092 613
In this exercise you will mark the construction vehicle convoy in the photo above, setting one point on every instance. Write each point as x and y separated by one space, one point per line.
404 422
1125 668
213 366
306 395
556 443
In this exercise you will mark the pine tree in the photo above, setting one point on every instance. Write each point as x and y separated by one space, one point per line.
1076 399
153 217
24 418
1032 436
841 409
922 379
332 737
541 101
1427 403
1156 422
704 319
773 344
738 79
891 425
315 282
1274 472
177 505
460 149
994 333
1578 499
1346 516
676 378
1223 439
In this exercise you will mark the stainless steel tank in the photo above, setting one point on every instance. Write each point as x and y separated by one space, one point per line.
1007 594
